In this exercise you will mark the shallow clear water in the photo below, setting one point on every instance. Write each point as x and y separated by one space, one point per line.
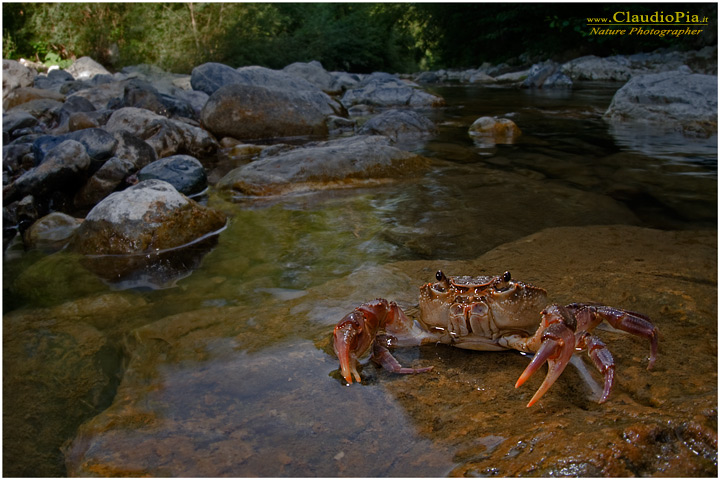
569 168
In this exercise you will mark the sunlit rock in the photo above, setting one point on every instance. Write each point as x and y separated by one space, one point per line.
347 162
15 75
493 130
144 218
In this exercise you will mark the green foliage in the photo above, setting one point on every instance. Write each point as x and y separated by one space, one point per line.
360 37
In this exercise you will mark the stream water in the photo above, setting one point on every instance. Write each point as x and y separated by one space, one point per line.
226 370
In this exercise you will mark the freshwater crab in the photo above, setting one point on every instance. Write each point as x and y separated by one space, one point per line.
487 313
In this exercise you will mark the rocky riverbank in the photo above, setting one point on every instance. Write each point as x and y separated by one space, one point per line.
115 169
74 137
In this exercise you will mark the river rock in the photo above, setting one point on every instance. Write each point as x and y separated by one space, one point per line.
51 232
314 73
346 162
166 136
104 96
61 170
99 144
385 90
183 172
17 120
134 149
250 112
590 67
546 75
25 94
675 100
493 130
46 110
399 125
86 68
111 176
53 80
146 217
58 374
15 75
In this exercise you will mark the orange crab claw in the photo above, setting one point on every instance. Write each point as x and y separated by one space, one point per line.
558 346
355 333
345 339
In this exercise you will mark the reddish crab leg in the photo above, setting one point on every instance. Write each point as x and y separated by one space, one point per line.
602 358
631 322
383 356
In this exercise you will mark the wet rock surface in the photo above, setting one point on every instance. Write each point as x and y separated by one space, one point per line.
147 217
196 399
352 161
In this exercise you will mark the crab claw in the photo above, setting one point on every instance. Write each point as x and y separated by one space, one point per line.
558 346
346 338
355 333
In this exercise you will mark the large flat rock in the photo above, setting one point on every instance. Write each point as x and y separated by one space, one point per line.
238 391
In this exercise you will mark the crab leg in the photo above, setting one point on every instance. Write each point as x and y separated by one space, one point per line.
602 358
589 315
382 356
557 348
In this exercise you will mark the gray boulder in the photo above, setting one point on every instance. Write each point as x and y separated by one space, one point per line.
616 68
399 125
62 168
314 73
166 136
676 100
546 75
145 218
15 75
249 112
346 162
384 90
183 172
86 68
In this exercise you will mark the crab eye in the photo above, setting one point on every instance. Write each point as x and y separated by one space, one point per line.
506 277
440 276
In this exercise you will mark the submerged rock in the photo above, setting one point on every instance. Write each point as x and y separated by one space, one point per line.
51 232
493 130
347 162
675 100
48 394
